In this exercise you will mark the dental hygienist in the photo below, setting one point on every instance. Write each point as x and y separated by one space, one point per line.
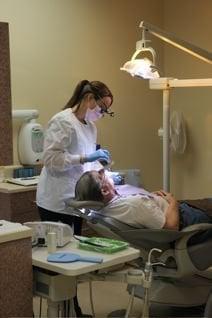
70 149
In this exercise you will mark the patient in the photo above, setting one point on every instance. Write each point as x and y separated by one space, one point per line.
151 210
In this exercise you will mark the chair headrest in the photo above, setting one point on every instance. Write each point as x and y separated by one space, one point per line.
95 205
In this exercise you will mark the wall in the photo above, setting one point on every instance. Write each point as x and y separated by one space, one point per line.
191 20
56 43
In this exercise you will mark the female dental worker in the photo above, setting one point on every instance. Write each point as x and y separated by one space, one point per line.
70 149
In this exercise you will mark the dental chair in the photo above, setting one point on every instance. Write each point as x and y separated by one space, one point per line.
181 276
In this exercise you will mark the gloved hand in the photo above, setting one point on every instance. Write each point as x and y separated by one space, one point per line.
101 154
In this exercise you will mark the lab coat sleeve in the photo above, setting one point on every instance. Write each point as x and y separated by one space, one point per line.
149 214
57 143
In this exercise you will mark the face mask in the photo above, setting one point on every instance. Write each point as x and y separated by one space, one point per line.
93 114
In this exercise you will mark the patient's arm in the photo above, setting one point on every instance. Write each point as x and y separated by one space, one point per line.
172 212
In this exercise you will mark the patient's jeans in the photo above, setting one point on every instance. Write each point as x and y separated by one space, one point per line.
190 215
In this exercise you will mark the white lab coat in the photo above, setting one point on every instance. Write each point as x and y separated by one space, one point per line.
66 139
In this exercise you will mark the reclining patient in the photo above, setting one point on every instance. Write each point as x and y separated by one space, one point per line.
151 210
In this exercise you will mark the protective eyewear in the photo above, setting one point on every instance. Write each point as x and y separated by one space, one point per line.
104 108
101 177
101 174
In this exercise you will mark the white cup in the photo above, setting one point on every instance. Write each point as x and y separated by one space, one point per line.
51 242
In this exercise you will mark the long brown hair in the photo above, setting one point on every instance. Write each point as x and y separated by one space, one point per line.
98 89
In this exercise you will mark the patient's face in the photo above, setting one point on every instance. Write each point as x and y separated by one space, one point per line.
104 179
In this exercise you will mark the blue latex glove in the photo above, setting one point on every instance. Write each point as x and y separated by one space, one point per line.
101 154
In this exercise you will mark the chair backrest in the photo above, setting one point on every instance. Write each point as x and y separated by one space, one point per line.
108 226
144 238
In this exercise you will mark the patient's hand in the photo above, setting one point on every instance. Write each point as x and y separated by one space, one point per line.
160 193
172 211
166 195
170 198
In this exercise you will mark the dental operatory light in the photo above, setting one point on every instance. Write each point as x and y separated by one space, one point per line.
142 67
148 70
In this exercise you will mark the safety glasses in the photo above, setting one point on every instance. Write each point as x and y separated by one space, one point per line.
102 177
104 108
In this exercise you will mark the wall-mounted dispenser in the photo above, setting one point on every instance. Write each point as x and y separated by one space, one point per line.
30 138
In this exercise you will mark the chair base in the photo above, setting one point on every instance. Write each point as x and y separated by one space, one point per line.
183 293
166 312
117 313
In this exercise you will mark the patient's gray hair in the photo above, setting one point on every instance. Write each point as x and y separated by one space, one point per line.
88 188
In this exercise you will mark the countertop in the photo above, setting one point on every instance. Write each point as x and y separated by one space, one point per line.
7 187
10 231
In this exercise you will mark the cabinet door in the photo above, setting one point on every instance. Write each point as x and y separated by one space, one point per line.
23 206
5 208
16 278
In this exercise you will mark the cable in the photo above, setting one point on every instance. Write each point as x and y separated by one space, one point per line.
40 312
130 304
91 298
145 312
68 307
64 313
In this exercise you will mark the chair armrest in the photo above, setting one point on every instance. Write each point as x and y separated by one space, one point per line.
189 231
186 266
94 205
197 227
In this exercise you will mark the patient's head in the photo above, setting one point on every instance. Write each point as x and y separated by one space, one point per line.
95 186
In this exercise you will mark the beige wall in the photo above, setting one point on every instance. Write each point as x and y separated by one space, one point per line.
56 43
191 20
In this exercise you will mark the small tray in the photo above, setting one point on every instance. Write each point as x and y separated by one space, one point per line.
103 245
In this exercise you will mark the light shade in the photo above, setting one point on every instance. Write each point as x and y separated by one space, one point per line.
141 68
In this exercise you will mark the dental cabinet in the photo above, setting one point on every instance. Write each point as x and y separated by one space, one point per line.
6 138
15 270
17 203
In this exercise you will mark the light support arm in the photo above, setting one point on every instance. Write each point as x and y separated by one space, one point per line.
179 43
166 137
166 84
141 46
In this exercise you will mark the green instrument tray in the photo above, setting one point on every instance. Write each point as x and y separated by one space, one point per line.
102 245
